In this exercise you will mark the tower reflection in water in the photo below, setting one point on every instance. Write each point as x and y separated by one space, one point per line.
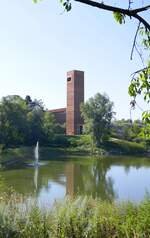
74 179
89 180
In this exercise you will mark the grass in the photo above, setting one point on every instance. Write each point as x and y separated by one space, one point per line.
74 218
12 157
125 147
112 146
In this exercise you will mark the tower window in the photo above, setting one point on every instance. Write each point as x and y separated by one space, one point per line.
69 79
81 130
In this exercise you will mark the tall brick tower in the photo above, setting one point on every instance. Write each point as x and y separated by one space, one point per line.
75 96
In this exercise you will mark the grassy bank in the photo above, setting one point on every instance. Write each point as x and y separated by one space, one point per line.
15 156
78 218
112 146
72 145
125 147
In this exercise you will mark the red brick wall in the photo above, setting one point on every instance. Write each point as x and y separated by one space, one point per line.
75 96
60 115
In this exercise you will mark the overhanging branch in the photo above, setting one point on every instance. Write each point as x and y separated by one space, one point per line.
140 70
143 21
134 42
128 12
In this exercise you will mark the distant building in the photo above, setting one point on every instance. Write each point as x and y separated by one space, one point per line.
75 96
60 115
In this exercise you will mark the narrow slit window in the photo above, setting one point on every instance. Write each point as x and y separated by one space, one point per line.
69 79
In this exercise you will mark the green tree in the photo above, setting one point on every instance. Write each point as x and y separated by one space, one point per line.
41 123
60 129
23 121
127 130
13 123
35 132
97 113
35 104
48 126
137 127
35 118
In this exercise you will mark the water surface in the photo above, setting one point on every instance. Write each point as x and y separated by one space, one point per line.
113 178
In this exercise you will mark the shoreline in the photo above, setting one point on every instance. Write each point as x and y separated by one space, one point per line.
18 155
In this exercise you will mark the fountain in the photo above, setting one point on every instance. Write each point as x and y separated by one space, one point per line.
36 154
36 164
36 177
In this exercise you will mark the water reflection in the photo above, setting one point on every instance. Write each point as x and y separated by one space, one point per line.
89 180
108 179
36 172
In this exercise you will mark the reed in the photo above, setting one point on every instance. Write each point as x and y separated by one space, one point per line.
82 217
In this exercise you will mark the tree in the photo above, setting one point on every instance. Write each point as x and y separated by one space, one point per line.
48 126
140 80
127 130
34 116
23 121
13 123
97 113
35 104
41 123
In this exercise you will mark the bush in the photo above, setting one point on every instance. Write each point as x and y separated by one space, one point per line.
2 147
60 141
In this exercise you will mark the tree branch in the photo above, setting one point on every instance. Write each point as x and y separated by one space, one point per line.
134 41
130 3
140 70
143 21
142 9
128 12
139 53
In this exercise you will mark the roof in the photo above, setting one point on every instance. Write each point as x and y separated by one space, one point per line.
58 110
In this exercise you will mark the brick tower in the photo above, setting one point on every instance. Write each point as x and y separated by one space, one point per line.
75 96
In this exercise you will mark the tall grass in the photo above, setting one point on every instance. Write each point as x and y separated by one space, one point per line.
75 218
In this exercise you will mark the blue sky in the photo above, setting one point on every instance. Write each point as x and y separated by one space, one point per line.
39 44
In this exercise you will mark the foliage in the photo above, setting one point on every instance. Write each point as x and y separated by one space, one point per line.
60 140
140 84
97 114
48 125
13 121
119 17
23 121
60 128
128 130
79 218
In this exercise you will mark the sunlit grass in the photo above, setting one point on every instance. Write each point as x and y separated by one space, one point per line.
82 217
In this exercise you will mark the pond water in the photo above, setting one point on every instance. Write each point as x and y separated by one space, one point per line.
112 178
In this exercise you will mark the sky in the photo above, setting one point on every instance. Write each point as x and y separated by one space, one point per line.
39 43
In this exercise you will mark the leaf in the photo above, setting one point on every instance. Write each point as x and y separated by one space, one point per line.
119 17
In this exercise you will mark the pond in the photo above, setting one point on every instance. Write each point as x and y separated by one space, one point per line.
114 178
